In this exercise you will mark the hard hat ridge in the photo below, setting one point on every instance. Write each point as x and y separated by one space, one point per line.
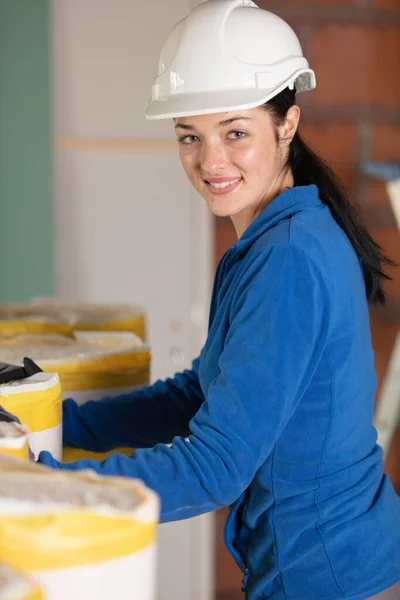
226 55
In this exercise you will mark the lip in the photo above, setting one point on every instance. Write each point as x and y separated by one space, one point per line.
224 190
221 179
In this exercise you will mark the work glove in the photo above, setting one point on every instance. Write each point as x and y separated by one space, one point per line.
13 372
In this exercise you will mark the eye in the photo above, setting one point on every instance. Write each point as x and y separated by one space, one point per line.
187 140
237 135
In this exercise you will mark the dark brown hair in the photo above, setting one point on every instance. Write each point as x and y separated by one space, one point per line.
308 168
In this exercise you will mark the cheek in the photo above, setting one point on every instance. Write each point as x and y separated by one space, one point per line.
188 162
258 162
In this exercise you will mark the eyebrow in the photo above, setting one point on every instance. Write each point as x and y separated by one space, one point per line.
221 124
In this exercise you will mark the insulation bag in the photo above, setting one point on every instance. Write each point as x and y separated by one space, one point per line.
14 439
18 320
37 402
15 585
91 365
51 316
79 535
95 317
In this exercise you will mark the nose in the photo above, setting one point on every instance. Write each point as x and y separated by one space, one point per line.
213 158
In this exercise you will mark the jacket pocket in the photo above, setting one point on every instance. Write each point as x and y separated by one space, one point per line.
233 525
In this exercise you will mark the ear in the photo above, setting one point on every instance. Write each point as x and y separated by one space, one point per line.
288 129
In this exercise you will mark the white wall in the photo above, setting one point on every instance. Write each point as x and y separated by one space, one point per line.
122 196
128 226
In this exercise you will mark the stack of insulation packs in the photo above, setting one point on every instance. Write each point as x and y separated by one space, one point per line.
52 316
89 366
37 403
76 535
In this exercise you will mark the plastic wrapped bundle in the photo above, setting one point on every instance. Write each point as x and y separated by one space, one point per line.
18 320
51 316
90 366
15 585
96 317
79 535
13 438
37 402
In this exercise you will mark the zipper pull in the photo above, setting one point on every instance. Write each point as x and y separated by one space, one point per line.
245 579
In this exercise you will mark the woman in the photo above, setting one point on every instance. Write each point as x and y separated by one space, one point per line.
278 408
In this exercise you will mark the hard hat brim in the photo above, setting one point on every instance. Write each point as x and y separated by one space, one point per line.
187 105
203 103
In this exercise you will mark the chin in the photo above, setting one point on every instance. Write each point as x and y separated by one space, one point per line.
223 208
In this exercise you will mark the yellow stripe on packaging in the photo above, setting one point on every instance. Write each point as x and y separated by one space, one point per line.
94 361
55 541
51 520
82 381
22 453
31 319
73 454
34 595
12 328
39 409
120 361
136 325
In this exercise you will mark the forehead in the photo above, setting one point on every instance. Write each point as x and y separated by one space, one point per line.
222 119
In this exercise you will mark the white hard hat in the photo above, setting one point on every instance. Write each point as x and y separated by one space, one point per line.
226 55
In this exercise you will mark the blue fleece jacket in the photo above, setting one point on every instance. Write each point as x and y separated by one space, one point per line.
278 412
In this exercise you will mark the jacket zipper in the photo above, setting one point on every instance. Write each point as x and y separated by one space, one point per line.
236 556
245 579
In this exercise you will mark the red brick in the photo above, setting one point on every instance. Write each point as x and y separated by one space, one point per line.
356 65
267 4
383 338
389 240
228 575
385 146
386 142
377 216
335 143
392 465
388 4
377 193
225 237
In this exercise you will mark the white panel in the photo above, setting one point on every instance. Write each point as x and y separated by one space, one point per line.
106 55
123 227
192 541
129 228
174 544
125 578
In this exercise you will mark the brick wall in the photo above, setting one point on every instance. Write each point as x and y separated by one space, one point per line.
352 116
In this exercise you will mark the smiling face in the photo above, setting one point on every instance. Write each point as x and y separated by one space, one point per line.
237 161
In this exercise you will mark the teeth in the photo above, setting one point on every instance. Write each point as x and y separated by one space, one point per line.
224 184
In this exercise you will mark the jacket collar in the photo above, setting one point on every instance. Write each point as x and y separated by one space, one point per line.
287 204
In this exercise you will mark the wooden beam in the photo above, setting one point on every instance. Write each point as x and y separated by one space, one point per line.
114 144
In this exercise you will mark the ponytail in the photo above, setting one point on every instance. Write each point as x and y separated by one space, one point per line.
308 168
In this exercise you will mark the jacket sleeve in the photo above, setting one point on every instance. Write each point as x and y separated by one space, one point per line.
142 419
277 336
